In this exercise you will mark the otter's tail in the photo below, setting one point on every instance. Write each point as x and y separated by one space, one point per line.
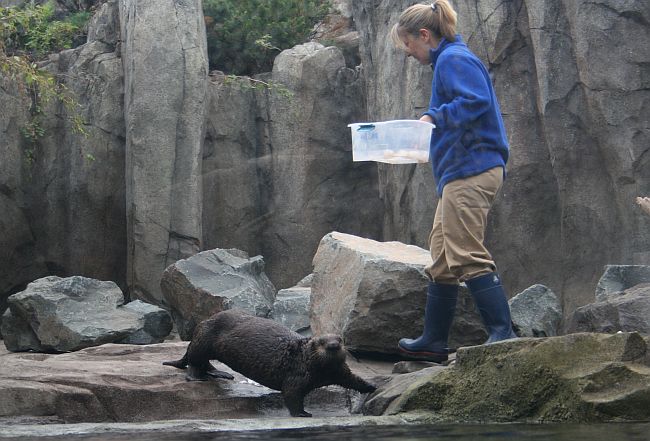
180 364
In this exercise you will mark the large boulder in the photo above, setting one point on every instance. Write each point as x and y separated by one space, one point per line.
60 315
165 94
536 312
213 281
373 293
573 378
628 311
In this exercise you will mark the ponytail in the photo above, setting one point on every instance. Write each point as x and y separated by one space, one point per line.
438 17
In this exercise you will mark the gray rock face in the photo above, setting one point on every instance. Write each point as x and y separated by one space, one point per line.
63 211
373 293
59 315
536 312
165 79
277 169
568 108
618 278
213 281
291 308
628 311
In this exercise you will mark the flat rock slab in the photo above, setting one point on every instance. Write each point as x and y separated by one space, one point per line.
128 383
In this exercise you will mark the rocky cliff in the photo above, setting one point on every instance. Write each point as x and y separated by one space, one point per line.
272 174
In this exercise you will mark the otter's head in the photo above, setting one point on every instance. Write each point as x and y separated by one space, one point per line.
328 347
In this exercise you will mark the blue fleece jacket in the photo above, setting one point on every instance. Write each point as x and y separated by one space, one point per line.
469 137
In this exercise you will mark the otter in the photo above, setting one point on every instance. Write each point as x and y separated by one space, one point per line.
269 353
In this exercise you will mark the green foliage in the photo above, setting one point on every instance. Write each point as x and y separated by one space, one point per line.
26 34
244 36
33 30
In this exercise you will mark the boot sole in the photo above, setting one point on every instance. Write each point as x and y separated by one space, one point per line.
425 356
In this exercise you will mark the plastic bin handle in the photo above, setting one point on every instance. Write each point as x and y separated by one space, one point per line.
366 127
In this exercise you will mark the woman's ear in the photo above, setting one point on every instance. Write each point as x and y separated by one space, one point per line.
425 34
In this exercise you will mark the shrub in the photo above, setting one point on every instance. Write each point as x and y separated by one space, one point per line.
244 36
32 30
26 34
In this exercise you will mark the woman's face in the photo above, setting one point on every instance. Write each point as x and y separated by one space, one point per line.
418 46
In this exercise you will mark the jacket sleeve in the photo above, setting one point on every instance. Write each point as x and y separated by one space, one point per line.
466 82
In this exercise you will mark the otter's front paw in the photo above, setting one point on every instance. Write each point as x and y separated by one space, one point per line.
302 413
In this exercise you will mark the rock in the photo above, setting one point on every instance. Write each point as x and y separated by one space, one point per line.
306 281
59 315
291 308
627 311
165 85
386 399
20 259
373 293
17 335
128 383
573 378
104 25
618 278
536 312
406 367
157 324
213 281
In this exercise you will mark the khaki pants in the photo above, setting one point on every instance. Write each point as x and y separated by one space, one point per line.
456 239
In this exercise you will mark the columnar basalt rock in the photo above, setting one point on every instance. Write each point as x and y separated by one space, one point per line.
165 74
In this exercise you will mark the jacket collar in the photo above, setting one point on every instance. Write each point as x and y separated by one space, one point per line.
435 52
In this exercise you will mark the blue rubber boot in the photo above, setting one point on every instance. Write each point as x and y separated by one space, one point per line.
438 315
490 299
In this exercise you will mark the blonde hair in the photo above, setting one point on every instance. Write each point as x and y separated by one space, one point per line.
438 17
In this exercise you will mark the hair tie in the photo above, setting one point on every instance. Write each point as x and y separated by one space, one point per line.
433 7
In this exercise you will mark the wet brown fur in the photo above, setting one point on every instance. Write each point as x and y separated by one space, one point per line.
269 353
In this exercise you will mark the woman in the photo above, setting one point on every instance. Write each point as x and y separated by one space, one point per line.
469 151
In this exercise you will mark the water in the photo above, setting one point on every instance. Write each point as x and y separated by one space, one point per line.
502 432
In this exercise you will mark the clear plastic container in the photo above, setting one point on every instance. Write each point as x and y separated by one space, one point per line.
393 142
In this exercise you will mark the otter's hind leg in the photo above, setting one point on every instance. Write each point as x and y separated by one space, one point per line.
180 364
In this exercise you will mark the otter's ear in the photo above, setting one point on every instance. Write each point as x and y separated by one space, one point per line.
296 345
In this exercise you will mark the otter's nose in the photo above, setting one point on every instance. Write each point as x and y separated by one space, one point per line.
333 345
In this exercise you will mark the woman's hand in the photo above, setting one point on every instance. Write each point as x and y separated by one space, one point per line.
427 118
